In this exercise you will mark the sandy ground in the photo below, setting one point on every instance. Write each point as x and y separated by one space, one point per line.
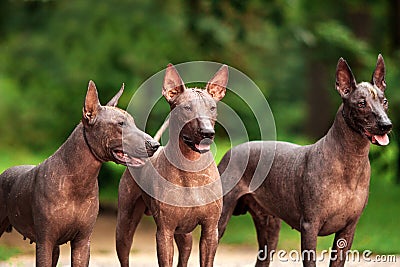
143 252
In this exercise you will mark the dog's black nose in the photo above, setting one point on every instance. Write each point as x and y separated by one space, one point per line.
152 146
385 126
207 133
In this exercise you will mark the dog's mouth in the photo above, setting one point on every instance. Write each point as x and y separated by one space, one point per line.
124 158
201 147
380 140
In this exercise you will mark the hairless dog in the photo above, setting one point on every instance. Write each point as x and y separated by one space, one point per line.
318 189
180 184
57 201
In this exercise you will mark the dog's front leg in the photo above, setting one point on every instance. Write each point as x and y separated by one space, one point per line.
80 252
127 221
165 246
44 253
208 244
130 211
184 244
309 234
341 245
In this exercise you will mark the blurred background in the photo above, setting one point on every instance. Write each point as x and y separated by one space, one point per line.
50 49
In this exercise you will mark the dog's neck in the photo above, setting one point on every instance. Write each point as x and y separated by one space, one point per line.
75 159
345 140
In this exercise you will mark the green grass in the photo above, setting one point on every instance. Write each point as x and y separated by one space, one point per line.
7 252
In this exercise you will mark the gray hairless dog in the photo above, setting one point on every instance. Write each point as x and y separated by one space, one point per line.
180 184
57 201
318 189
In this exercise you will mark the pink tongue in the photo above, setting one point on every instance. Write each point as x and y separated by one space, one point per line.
383 140
202 147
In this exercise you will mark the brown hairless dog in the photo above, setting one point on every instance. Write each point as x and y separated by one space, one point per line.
318 189
57 201
180 185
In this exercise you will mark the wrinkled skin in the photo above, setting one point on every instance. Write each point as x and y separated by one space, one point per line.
57 201
318 189
192 119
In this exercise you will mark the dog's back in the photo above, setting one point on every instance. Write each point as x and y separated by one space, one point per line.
15 185
10 176
248 166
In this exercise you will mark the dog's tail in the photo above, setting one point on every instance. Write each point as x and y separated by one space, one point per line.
160 132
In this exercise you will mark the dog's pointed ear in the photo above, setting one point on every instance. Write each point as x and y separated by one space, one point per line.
173 84
92 104
114 101
345 81
216 87
378 77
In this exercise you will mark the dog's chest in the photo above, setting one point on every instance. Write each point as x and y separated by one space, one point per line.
343 209
78 219
68 217
185 219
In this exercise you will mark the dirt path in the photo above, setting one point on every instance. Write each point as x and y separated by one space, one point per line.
103 247
143 253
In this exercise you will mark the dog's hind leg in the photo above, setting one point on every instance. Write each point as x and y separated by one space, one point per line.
80 251
130 211
5 225
184 244
267 228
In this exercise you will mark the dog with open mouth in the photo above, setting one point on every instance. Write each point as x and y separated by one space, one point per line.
58 200
180 185
318 189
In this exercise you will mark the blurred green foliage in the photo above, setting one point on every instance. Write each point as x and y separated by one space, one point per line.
50 49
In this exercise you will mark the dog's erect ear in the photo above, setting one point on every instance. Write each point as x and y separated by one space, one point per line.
345 81
216 87
92 104
114 101
173 84
378 77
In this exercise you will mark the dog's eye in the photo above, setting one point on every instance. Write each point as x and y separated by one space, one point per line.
362 104
121 123
213 108
187 108
385 102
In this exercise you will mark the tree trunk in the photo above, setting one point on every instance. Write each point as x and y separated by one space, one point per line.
319 105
